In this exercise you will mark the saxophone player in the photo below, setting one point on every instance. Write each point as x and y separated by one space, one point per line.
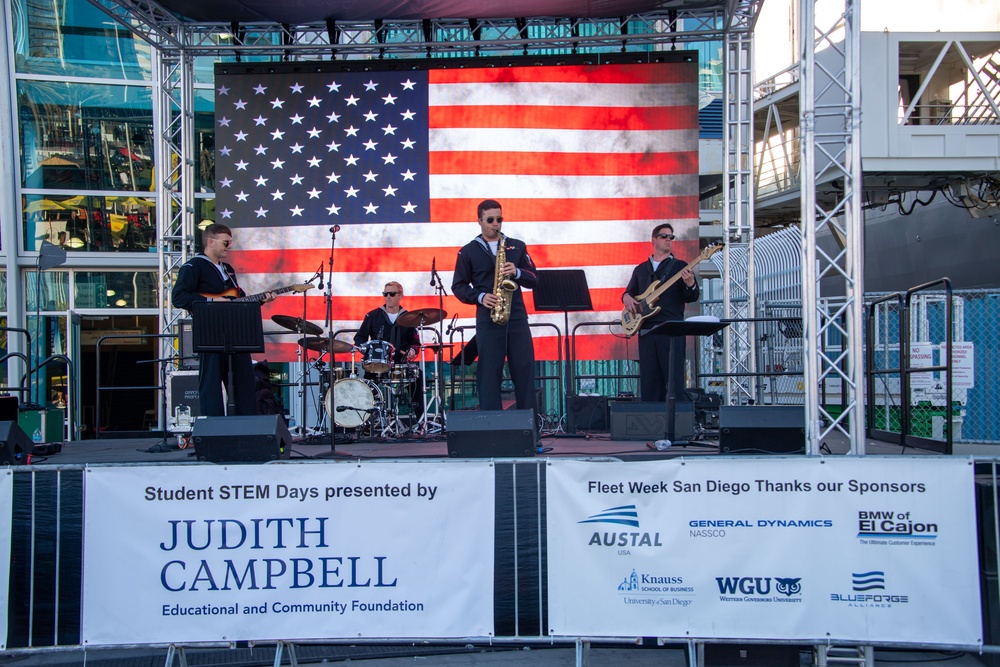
502 330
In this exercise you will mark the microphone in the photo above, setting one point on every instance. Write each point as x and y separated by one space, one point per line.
433 269
335 229
320 271
451 327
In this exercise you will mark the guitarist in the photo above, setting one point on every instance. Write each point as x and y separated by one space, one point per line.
655 359
208 274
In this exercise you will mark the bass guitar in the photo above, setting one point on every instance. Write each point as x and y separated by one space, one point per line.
647 300
233 294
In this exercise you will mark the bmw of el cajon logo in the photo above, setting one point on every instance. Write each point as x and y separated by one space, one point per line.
624 540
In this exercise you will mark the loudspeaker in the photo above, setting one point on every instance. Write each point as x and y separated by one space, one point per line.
15 445
648 421
491 433
250 439
751 655
185 345
586 413
762 429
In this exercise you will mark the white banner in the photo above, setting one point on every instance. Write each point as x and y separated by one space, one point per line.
859 549
6 519
240 552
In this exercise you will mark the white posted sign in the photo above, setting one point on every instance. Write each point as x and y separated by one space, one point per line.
239 552
860 549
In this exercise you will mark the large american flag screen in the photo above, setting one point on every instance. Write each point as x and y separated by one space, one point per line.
585 159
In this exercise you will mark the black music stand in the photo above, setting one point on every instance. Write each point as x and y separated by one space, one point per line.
563 290
227 327
680 328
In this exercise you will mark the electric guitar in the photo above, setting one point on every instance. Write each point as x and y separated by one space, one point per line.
233 294
647 300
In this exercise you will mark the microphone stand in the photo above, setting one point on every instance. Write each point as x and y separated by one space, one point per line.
328 325
438 286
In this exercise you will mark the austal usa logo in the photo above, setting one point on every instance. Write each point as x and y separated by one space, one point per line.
759 589
864 584
624 515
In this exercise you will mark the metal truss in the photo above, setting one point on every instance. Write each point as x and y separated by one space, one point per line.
737 209
425 38
174 159
830 108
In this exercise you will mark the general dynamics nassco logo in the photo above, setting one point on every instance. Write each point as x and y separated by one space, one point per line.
760 589
624 515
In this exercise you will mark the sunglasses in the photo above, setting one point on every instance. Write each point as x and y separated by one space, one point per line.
225 243
490 219
670 237
389 293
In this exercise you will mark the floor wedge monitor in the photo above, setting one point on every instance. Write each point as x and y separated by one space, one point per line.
762 429
244 439
491 433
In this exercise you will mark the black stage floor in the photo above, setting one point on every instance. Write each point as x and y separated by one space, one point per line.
154 449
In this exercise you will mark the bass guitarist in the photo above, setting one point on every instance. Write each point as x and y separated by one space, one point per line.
203 275
660 355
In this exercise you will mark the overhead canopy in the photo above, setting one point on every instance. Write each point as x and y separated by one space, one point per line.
312 11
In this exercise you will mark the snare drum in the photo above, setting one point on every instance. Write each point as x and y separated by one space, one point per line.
377 356
405 373
352 402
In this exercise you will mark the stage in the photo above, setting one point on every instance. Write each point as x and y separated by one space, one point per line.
591 445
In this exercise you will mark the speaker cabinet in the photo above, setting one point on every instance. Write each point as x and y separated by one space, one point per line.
762 429
648 421
242 439
491 433
751 655
586 413
15 445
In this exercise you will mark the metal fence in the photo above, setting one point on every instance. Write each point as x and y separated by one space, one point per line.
47 569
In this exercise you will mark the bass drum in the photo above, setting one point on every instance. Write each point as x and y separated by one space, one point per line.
352 402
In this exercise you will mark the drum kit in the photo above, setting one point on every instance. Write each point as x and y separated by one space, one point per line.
386 400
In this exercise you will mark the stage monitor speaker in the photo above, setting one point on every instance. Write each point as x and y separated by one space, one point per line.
242 439
15 445
762 429
586 413
648 421
478 434
751 655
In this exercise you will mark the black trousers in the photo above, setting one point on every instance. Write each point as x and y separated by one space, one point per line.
511 341
659 356
213 372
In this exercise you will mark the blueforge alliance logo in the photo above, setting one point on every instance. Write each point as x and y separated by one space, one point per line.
655 589
624 534
760 589
868 592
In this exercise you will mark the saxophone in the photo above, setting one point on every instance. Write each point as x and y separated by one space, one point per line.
503 288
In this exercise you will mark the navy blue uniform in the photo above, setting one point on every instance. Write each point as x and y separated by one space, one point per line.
201 276
654 348
475 271
378 326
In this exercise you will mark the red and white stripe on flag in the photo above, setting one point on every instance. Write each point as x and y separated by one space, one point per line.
585 160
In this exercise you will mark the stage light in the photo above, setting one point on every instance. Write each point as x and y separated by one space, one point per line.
121 303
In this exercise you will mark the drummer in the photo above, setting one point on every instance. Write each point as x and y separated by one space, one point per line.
380 324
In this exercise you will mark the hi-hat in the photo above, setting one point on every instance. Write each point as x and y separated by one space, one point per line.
322 344
297 324
424 316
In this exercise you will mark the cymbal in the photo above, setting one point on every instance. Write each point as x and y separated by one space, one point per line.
322 344
318 344
416 318
297 324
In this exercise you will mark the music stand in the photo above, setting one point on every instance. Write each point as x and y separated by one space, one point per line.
680 328
227 327
563 290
